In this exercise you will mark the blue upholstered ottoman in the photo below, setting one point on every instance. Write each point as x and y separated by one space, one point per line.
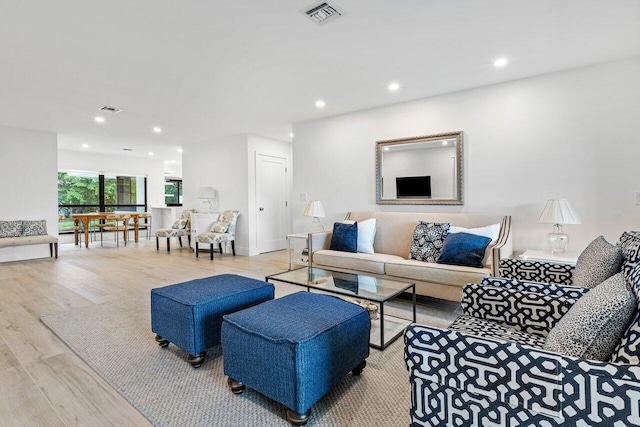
190 314
295 349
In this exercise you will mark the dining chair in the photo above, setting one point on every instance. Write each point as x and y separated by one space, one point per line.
116 223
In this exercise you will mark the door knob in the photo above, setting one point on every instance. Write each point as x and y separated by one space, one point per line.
260 209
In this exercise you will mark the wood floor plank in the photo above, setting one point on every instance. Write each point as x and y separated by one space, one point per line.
80 396
17 392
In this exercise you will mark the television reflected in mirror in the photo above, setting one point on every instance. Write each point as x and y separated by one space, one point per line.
420 170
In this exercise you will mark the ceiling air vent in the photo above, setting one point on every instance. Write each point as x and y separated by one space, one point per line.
108 109
322 12
127 149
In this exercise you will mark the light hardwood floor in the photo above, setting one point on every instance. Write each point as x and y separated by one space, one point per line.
43 382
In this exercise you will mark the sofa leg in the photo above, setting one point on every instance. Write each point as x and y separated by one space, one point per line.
196 249
195 360
233 247
220 247
157 243
211 251
168 244
298 419
236 386
50 250
55 247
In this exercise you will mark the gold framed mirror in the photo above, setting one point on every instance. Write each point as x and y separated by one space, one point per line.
421 170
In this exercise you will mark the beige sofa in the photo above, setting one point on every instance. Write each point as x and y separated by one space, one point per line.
394 234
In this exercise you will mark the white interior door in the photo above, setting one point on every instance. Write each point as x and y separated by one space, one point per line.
271 195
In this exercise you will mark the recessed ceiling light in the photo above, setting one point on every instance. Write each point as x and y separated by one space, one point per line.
445 142
500 62
99 119
386 148
85 145
394 86
157 129
320 103
180 150
291 135
151 153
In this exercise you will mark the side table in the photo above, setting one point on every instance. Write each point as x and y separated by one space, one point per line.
536 255
298 249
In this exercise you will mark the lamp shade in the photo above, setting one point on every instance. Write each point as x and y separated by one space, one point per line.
314 208
558 211
206 193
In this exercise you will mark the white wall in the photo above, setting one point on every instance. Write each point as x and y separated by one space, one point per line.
28 171
221 164
153 169
229 165
572 134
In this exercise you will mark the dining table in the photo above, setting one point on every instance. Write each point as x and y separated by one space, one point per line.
86 217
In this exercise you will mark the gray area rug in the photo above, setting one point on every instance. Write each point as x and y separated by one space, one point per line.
115 339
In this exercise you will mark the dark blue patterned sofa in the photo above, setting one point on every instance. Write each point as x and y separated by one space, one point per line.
493 366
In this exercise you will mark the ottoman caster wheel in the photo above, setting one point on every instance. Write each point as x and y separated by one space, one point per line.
358 369
298 419
236 386
161 341
196 360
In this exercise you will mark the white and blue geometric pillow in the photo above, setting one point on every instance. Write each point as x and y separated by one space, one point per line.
428 240
628 348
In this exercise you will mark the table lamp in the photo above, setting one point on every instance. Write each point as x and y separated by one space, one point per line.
210 197
558 212
315 209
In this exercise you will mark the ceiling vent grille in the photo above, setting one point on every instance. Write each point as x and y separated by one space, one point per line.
108 109
322 12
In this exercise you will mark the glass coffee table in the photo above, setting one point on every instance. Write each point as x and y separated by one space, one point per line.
364 287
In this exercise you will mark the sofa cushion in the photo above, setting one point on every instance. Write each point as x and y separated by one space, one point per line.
628 348
428 240
344 237
630 244
594 325
599 261
369 263
27 240
496 330
464 249
492 231
34 228
366 234
10 229
436 273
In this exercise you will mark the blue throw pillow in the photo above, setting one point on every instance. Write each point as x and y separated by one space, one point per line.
345 237
464 249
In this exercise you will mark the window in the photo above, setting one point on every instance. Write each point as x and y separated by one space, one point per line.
173 192
91 192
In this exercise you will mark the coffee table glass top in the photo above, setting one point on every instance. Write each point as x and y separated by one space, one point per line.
367 287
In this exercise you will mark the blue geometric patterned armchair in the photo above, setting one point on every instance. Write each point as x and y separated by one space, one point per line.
519 356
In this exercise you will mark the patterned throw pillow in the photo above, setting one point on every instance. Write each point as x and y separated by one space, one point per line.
630 244
220 227
180 224
10 229
594 325
34 228
628 349
599 261
428 240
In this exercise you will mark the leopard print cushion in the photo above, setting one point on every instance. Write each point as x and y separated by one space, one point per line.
594 325
599 261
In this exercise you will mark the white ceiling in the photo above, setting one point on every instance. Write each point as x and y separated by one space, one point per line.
205 69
